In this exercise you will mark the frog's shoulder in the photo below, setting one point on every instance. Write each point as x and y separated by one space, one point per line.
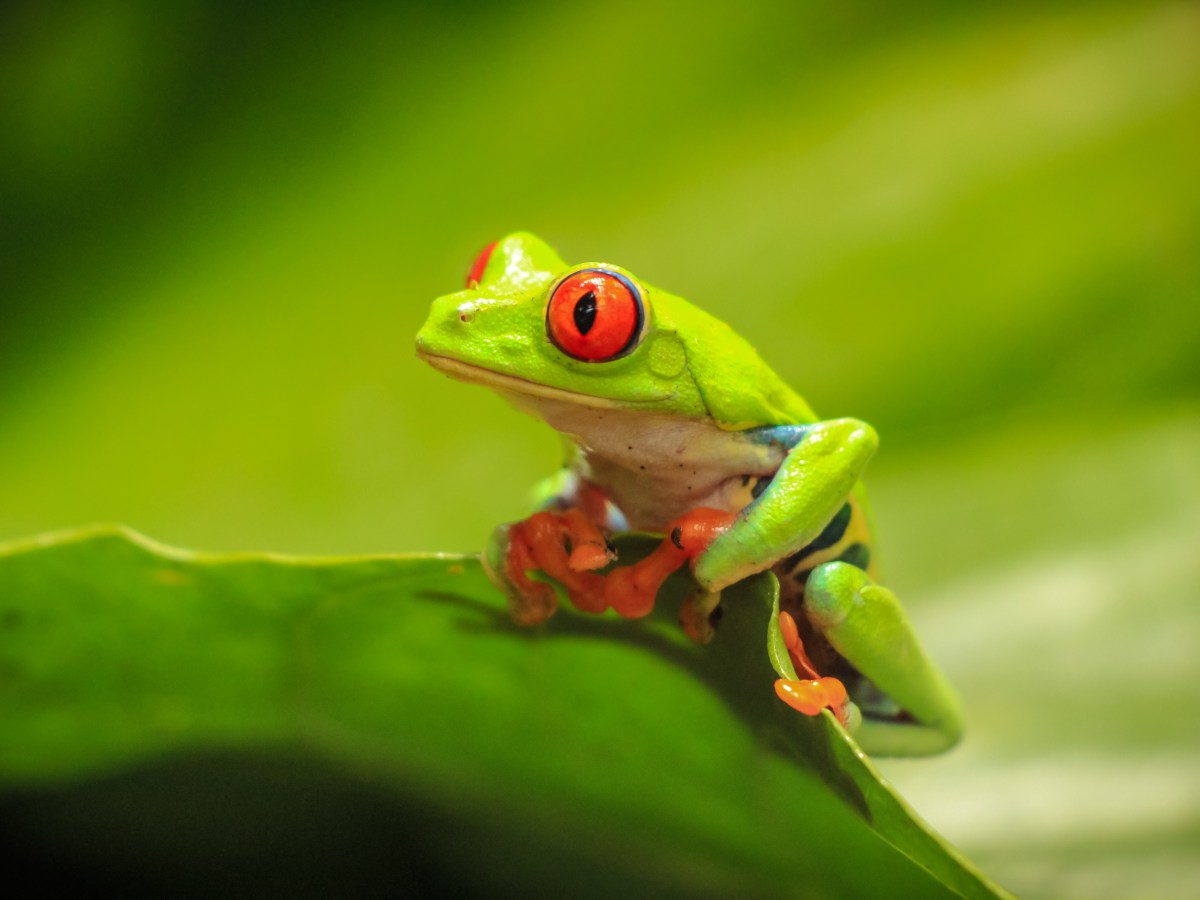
739 388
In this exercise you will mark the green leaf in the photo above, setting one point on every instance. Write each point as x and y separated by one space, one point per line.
309 721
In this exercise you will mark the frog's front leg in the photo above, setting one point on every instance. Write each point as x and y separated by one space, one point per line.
562 542
865 623
822 465
631 590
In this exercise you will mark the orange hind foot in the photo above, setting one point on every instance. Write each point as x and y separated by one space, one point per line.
812 694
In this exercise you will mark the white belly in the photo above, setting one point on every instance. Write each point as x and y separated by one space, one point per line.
656 467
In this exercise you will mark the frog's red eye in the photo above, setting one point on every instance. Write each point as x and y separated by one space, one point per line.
595 315
476 274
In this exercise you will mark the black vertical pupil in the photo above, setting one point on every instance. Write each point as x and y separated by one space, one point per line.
585 312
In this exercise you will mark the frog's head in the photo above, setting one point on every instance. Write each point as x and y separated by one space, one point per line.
593 334
528 323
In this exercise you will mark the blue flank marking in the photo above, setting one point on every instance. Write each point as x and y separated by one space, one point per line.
856 554
616 519
567 494
787 436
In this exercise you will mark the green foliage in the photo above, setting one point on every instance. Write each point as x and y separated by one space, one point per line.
975 226
590 756
926 216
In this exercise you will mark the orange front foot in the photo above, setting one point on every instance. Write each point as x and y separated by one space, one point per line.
812 694
568 547
565 546
631 590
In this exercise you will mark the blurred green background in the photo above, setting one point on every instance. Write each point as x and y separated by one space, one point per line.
976 227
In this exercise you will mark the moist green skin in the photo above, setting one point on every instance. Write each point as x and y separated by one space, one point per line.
688 363
692 417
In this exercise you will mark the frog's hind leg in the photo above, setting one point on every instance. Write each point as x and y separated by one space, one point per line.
865 623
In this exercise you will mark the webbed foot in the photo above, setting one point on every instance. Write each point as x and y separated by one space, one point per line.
564 546
813 693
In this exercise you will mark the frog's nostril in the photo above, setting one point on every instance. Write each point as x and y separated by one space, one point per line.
466 313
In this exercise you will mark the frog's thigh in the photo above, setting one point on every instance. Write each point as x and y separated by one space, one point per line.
866 624
808 489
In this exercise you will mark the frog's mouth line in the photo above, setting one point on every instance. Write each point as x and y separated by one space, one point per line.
456 368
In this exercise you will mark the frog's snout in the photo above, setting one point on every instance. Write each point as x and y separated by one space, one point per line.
458 326
443 327
424 344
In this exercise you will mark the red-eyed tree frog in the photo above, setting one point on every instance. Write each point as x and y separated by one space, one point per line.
675 426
